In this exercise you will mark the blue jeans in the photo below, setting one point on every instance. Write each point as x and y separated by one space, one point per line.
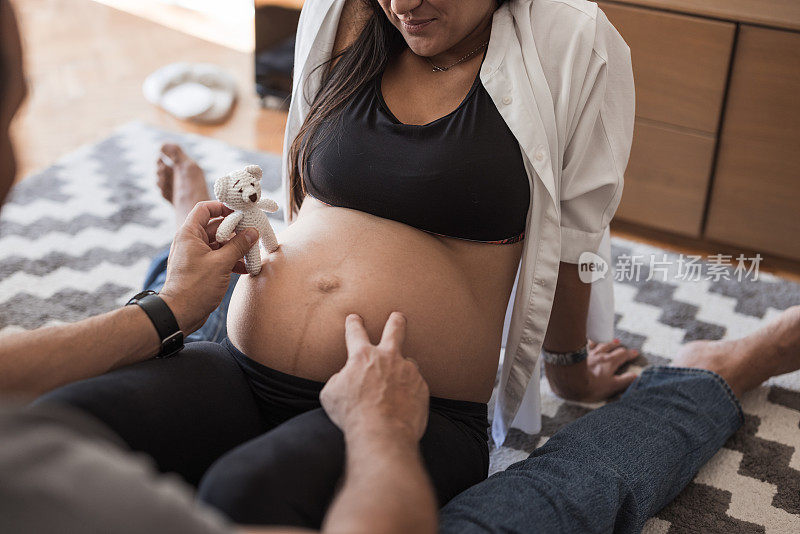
608 471
215 328
612 469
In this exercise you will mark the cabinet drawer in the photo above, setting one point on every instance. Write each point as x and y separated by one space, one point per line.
755 201
680 64
667 178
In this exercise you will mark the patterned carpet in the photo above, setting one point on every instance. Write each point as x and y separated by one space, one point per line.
75 241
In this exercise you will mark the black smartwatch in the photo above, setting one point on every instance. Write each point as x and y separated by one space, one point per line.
163 320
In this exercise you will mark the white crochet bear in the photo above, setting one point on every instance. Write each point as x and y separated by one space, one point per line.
241 192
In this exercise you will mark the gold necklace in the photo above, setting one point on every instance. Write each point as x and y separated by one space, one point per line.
437 68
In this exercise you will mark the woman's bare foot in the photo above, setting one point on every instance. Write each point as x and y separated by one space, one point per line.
747 362
181 180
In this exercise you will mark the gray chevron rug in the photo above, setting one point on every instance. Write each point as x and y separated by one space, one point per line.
76 238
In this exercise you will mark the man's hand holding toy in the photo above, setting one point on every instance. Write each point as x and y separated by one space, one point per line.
241 192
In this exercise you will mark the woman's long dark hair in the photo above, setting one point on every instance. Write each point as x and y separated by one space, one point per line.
368 55
377 43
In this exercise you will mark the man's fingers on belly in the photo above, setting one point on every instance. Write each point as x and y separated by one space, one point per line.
394 332
355 335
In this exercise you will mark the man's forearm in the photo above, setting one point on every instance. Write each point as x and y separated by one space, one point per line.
37 361
386 488
198 275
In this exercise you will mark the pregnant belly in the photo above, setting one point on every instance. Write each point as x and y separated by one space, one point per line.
334 261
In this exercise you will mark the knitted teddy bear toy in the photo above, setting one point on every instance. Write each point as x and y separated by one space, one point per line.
241 192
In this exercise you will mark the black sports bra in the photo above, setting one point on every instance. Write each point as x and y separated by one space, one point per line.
460 176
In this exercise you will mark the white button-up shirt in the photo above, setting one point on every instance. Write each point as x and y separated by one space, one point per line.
560 75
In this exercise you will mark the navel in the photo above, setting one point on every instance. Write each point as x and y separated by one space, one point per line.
328 284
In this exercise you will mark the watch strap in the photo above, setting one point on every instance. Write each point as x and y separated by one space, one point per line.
169 332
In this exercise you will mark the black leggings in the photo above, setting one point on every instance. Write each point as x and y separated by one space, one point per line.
255 441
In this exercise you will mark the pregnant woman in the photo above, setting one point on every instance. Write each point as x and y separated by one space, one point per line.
433 147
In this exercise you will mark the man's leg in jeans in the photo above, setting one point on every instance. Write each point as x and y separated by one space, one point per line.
612 469
214 329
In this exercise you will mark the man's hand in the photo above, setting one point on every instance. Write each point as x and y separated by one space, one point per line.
198 274
377 389
595 379
199 269
380 401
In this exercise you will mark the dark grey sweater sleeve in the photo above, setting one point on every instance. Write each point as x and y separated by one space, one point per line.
61 471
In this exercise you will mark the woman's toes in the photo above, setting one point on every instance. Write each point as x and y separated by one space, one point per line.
164 176
181 180
163 171
174 152
185 171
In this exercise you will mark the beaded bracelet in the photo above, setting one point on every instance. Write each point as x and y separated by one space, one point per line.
565 358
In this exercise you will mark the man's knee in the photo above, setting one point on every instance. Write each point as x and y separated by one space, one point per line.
105 391
97 396
287 476
247 491
136 399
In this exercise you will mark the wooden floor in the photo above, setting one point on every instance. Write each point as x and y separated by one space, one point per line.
86 63
85 66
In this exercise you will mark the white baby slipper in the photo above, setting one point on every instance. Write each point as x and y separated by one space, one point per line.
200 92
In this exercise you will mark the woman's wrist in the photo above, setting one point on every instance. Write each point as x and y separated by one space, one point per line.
571 382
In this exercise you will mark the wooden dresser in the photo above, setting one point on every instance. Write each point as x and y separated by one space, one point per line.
716 150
